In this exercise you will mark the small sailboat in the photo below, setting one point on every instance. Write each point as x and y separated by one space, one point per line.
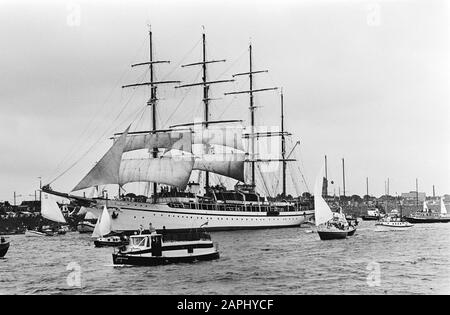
4 246
329 226
102 232
51 211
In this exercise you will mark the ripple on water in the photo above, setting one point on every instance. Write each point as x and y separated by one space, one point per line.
279 261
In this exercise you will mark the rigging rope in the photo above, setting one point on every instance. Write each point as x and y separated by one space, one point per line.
76 143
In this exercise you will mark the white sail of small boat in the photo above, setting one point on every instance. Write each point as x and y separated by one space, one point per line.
50 209
103 225
323 212
443 209
425 207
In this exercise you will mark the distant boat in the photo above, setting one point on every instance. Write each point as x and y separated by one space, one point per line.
51 211
4 246
372 215
85 227
393 222
428 216
88 224
329 226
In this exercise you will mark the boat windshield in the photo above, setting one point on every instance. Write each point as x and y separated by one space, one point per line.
138 240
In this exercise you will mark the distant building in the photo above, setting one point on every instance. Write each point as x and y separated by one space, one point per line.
412 196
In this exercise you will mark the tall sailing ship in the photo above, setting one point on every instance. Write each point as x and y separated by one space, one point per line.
173 158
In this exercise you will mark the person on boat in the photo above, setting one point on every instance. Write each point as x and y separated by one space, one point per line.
151 229
141 229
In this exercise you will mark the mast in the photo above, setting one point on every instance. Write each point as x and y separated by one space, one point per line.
367 187
205 95
417 192
283 145
152 102
252 108
205 83
343 175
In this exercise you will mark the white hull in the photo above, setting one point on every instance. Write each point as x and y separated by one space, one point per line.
129 216
31 233
393 226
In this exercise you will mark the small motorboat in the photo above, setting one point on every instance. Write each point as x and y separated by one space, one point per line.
111 241
157 249
4 246
393 222
44 231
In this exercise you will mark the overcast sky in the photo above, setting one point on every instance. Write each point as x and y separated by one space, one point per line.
367 81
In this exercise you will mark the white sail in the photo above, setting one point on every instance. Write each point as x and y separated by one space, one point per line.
443 209
425 207
50 209
163 170
83 210
96 232
229 165
227 137
106 171
169 140
103 225
322 211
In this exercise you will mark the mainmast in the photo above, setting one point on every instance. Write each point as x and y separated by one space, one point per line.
152 102
205 83
283 145
343 174
252 108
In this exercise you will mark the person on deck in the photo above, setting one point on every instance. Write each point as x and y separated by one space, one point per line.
151 229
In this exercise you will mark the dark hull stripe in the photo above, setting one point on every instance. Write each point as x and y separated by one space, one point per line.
305 213
3 249
370 218
427 220
332 235
109 244
153 261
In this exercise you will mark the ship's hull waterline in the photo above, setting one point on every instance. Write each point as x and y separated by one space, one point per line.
131 216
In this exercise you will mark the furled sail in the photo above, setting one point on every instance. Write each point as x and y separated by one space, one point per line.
322 211
50 209
163 170
425 207
227 137
443 209
227 164
106 171
179 140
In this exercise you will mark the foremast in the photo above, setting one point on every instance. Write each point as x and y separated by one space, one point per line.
153 100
